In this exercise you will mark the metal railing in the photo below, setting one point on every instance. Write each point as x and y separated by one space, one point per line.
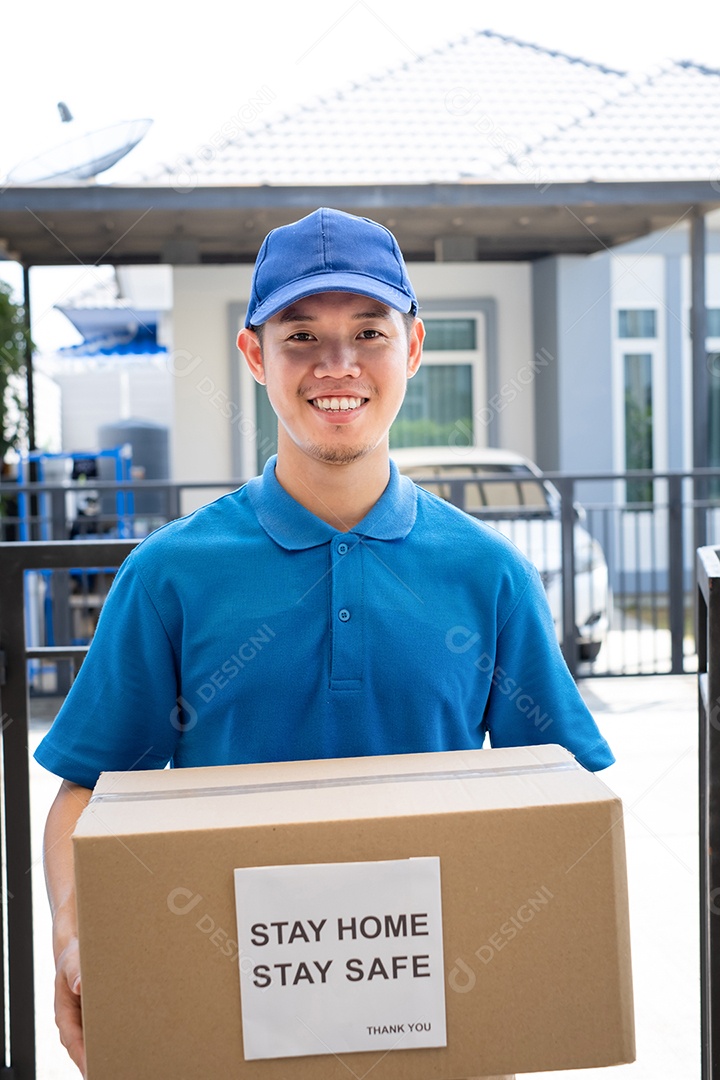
708 638
622 607
615 551
20 560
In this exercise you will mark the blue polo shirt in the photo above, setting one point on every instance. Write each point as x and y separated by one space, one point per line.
251 631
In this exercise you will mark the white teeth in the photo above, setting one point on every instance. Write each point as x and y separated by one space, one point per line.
334 404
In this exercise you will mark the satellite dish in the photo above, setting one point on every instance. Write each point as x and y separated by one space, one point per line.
84 157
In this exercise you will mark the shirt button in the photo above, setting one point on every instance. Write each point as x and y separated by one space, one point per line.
342 549
343 614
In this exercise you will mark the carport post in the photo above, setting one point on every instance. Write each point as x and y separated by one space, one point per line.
566 487
676 572
700 377
29 361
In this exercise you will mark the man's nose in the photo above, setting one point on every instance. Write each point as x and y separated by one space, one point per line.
337 361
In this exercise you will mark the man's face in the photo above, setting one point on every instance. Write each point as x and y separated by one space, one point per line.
336 367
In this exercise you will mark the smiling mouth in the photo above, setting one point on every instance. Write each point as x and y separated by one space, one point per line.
338 404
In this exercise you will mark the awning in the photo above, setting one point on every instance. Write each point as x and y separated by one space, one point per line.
92 223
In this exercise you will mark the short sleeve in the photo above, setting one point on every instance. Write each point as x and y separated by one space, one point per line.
532 696
122 710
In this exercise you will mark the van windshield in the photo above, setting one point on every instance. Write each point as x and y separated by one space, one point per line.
506 488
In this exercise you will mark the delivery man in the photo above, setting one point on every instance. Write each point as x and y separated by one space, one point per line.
328 608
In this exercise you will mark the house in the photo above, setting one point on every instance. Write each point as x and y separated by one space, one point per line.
543 203
580 361
119 370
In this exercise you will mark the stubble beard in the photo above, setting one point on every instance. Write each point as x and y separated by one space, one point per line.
339 455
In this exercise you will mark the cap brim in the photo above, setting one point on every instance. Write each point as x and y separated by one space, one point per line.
332 282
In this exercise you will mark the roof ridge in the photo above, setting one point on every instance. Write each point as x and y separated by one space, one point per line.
633 86
697 66
438 50
630 85
551 52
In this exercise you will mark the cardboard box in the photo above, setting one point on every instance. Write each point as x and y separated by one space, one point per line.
530 849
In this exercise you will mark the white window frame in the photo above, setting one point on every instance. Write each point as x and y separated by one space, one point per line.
657 350
475 358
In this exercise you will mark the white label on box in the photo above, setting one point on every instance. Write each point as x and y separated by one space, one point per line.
339 957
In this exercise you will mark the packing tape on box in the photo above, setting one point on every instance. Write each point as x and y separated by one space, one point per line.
331 782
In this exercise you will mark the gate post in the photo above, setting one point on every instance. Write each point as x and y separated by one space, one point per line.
708 639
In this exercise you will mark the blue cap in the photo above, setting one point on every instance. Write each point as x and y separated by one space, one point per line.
328 251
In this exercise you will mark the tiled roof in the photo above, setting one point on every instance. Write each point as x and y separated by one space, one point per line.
466 111
665 126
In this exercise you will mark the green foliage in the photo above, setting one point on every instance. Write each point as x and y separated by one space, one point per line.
14 345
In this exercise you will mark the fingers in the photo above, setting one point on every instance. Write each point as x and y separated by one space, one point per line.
68 1007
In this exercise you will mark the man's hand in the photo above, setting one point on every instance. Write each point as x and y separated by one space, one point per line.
60 877
68 1009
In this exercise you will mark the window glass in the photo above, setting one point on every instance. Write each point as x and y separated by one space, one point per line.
437 408
638 423
450 334
636 323
713 322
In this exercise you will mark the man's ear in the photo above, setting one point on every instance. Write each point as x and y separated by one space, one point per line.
249 345
415 344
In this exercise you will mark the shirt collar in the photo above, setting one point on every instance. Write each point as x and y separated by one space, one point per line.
289 524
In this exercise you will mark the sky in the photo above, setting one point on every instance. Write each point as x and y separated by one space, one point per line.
190 68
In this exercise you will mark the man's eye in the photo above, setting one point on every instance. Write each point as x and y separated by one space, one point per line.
369 334
301 335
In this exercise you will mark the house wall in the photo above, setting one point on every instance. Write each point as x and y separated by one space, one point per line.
579 397
97 391
574 392
48 412
671 297
200 361
214 432
585 364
